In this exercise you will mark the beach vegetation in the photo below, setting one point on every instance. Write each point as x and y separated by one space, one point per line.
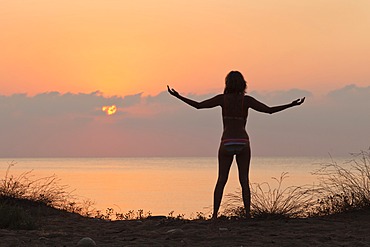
173 216
132 215
272 202
343 187
201 216
45 190
24 192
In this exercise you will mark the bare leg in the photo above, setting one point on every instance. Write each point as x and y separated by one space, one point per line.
243 161
224 163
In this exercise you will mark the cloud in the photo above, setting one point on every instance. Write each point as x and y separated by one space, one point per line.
336 124
54 124
350 93
55 104
51 123
276 97
130 100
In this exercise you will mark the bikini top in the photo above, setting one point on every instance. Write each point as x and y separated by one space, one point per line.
227 110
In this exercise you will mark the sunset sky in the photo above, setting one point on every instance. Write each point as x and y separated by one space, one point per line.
62 61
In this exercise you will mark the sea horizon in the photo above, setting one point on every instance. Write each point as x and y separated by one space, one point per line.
170 156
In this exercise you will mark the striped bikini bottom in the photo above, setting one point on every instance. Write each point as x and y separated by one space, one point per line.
235 146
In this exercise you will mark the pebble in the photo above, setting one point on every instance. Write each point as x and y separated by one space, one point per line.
86 242
175 231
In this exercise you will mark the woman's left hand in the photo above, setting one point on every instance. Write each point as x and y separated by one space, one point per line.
298 101
173 92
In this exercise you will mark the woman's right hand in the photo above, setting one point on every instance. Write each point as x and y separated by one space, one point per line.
172 91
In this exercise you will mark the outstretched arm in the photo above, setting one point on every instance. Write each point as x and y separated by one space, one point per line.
259 106
209 103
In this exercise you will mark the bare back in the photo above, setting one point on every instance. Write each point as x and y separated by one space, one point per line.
234 116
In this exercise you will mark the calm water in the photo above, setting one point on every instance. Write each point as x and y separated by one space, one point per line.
159 185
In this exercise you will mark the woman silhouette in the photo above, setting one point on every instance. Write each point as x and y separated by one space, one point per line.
234 140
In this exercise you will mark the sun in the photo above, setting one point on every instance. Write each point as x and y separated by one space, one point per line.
109 110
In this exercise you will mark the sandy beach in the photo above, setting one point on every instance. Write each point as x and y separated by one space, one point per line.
57 228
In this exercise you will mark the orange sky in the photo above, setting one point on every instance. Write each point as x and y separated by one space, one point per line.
126 47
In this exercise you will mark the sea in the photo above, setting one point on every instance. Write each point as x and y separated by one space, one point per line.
159 185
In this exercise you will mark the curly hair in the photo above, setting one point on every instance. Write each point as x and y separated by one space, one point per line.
235 83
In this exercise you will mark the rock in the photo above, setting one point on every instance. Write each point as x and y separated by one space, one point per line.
156 217
175 232
86 242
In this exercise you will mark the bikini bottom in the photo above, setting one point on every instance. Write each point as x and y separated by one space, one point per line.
235 146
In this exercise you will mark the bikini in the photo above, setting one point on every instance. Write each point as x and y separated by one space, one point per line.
235 145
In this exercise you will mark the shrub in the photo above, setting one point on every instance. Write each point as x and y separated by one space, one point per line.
341 188
344 187
45 190
268 202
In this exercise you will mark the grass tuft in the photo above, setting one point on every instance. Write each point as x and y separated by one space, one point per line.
268 202
341 188
344 187
46 190
20 193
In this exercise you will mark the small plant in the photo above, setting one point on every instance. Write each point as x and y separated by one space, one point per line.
341 188
200 216
171 216
132 215
266 202
47 191
344 187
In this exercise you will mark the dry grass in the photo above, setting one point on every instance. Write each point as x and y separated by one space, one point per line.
22 193
45 190
26 191
268 202
344 187
341 188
